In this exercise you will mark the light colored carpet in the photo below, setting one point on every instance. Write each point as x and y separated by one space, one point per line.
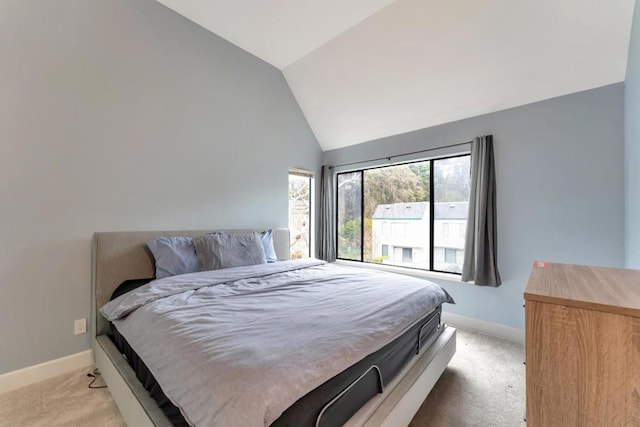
60 401
483 386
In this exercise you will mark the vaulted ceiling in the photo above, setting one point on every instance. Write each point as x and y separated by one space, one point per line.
366 69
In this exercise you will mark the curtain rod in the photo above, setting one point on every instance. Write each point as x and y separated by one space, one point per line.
401 155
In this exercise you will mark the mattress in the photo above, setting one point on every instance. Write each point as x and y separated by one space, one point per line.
279 344
337 399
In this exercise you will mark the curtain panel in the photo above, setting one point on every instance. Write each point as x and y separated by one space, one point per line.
480 257
327 237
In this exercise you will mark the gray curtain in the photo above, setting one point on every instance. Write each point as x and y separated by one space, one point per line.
480 250
327 240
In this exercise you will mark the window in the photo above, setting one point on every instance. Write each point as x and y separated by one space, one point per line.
407 255
397 254
350 215
398 229
418 209
450 256
385 228
462 229
300 188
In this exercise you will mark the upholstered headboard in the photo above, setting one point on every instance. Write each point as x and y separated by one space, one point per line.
120 256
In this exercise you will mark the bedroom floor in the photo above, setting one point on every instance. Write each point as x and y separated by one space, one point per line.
483 386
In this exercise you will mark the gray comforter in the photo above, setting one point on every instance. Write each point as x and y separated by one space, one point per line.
237 347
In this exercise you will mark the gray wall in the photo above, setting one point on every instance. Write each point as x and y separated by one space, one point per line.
560 189
122 115
632 146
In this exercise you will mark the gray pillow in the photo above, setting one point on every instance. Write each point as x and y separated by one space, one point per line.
216 251
267 243
173 255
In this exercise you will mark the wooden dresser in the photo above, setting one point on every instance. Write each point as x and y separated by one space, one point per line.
582 346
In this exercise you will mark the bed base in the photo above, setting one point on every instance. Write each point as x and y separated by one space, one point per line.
405 394
118 256
395 407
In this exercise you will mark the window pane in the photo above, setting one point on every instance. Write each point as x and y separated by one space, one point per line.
349 215
396 214
385 229
451 182
450 256
407 254
299 216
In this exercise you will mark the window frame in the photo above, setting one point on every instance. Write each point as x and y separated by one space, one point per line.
307 175
362 209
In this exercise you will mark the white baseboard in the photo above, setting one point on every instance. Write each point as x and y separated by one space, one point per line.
32 374
489 328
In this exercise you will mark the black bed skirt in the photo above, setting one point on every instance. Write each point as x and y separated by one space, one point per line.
337 399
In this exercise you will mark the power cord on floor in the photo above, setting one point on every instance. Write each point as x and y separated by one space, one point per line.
96 373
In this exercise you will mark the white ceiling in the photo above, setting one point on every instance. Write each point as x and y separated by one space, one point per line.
365 69
277 31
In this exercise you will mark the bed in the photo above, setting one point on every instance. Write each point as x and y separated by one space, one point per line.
360 390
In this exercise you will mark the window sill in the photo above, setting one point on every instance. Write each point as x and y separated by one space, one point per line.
421 274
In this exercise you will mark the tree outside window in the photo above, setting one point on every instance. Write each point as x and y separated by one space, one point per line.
300 186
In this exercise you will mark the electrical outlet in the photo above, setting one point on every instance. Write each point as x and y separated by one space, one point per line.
80 326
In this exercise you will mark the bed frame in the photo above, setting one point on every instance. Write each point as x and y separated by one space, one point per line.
120 256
